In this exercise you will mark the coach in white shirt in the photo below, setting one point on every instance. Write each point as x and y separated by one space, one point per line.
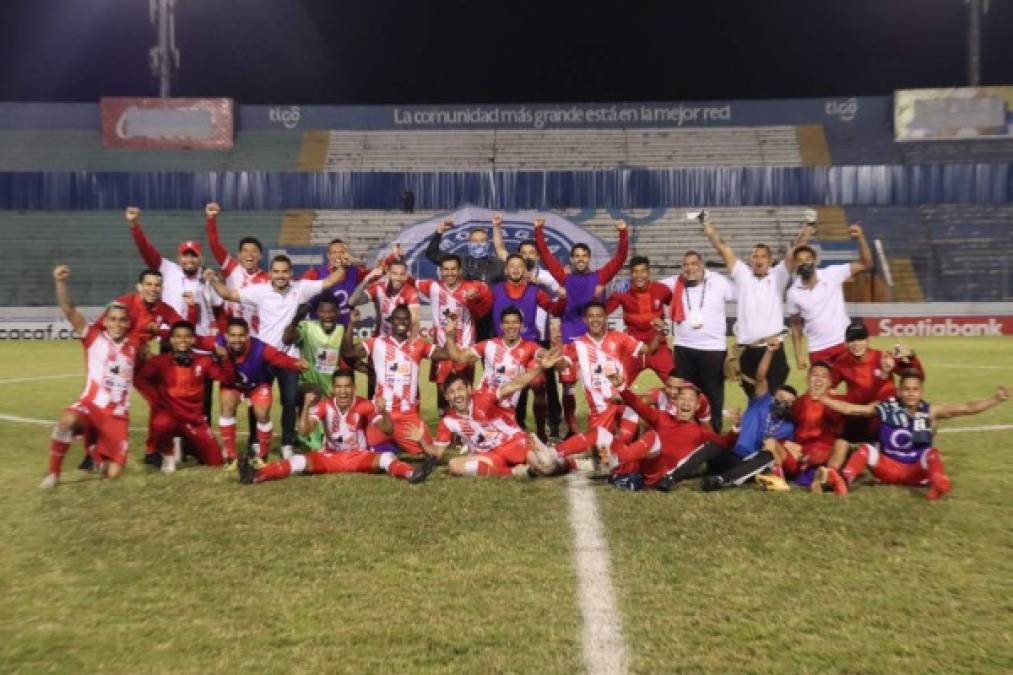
759 294
276 303
816 302
699 297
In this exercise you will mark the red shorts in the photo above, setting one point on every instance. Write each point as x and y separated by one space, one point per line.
403 421
817 453
164 425
345 461
110 432
661 362
261 396
828 354
888 470
511 453
608 419
440 370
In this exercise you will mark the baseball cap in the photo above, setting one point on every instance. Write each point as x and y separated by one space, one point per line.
190 246
856 331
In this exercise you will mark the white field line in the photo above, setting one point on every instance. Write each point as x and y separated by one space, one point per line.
48 423
965 366
40 377
986 427
602 632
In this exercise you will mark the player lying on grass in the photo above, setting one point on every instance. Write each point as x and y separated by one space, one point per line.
496 445
666 398
344 418
102 408
905 454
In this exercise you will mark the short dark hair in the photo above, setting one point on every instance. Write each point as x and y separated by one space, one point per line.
399 308
336 240
692 252
820 364
527 242
327 300
478 229
511 310
398 261
765 248
237 321
182 324
912 374
281 257
576 247
514 255
674 372
456 377
251 240
790 389
451 257
803 248
639 260
343 372
594 303
148 273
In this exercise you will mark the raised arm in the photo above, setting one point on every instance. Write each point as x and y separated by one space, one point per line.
612 267
433 251
152 258
217 250
77 321
215 279
335 277
851 409
290 336
864 261
547 360
723 249
761 387
549 262
350 350
805 233
646 412
942 411
280 359
454 352
497 238
307 424
359 296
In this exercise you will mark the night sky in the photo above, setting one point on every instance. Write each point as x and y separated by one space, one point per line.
474 51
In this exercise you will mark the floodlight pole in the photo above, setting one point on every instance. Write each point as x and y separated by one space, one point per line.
164 56
976 9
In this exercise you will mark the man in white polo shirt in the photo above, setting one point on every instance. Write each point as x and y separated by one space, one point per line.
698 311
276 304
816 302
759 293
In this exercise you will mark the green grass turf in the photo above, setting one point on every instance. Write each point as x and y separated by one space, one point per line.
192 573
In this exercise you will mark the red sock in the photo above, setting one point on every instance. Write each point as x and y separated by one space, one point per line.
627 430
399 469
939 482
789 463
264 433
541 411
637 450
227 428
58 446
493 470
274 471
577 444
570 411
856 464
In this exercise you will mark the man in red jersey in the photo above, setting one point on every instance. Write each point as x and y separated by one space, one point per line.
345 418
103 406
666 398
240 271
176 381
643 308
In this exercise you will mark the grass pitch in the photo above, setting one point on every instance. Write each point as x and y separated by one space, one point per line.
192 573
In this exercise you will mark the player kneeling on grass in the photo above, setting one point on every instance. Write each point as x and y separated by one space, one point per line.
103 406
905 454
496 445
344 418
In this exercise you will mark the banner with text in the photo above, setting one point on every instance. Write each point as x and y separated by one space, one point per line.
953 114
168 123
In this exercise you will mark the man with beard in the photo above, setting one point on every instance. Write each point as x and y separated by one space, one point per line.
816 302
387 286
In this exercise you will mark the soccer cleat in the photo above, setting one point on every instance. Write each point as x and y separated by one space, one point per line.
287 452
938 487
664 484
153 460
168 464
422 471
245 469
773 482
712 483
87 464
257 463
49 481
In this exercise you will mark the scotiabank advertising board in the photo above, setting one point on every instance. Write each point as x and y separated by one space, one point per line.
939 326
168 123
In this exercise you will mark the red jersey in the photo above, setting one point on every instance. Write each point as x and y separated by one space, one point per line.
110 368
678 438
640 308
344 430
236 277
179 388
594 360
396 366
149 321
483 427
502 364
446 301
814 422
384 302
659 399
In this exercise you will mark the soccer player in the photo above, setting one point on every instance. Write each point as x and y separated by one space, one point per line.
176 381
104 404
643 308
496 445
395 360
816 302
666 398
277 304
468 300
344 419
254 363
240 271
347 271
581 285
906 453
388 286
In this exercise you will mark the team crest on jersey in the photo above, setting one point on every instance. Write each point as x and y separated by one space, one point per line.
198 370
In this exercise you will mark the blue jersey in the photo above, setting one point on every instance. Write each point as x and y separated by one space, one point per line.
904 437
757 425
254 369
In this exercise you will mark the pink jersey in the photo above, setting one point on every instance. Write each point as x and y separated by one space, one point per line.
659 399
237 277
596 360
110 371
502 364
446 301
396 365
384 303
344 430
483 427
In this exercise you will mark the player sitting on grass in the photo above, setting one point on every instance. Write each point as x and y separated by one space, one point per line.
496 445
666 398
905 454
103 406
344 418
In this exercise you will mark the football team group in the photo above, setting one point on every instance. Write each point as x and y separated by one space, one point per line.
539 327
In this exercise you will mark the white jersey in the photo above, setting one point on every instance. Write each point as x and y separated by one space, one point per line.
501 363
110 371
396 365
822 306
445 301
483 428
175 283
237 277
344 430
596 361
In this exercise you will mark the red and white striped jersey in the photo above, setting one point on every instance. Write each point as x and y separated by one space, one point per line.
344 430
110 371
384 303
483 427
446 301
502 364
396 365
659 399
596 360
237 277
